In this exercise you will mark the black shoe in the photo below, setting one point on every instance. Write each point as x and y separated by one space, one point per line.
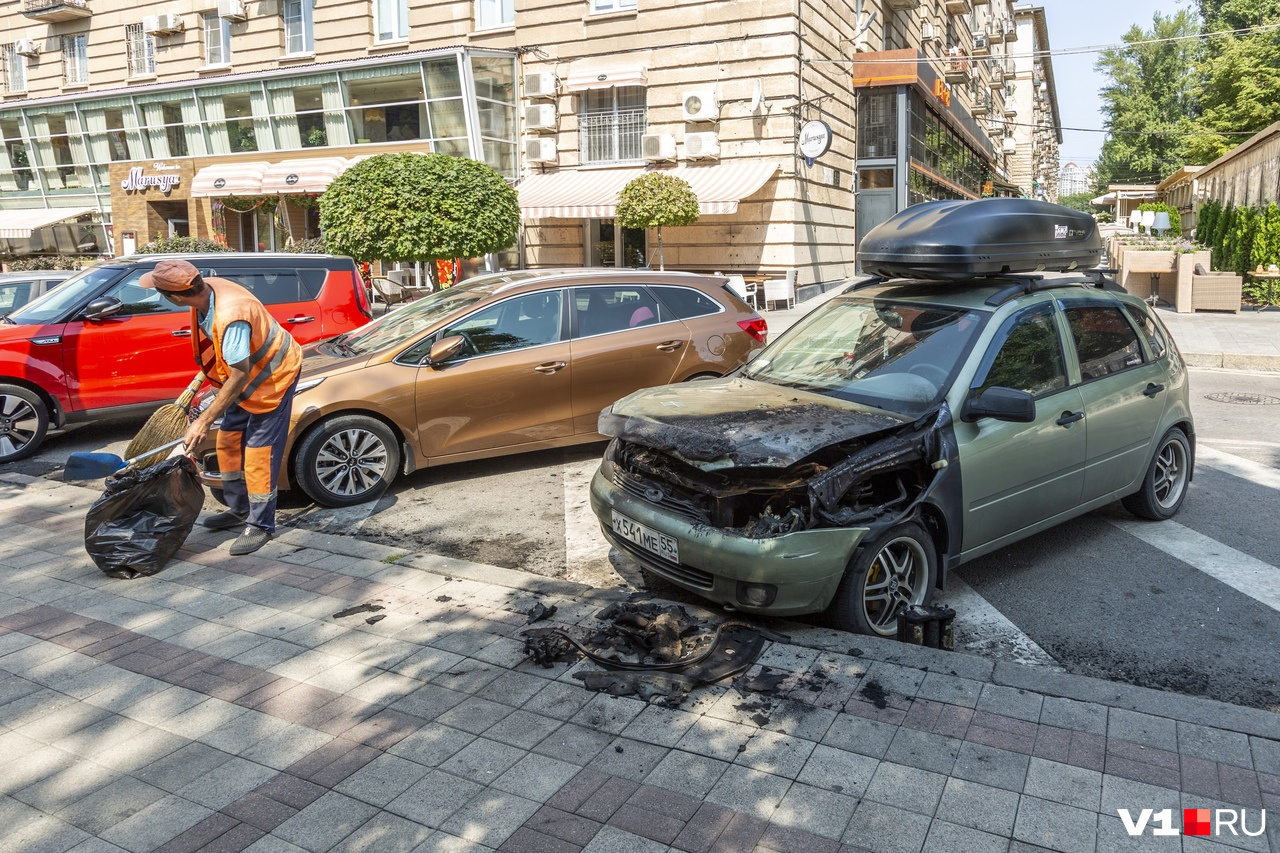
228 520
251 540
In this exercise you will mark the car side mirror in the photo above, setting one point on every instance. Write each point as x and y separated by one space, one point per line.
1003 404
102 307
445 349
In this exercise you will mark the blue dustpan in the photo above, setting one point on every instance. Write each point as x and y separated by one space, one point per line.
95 466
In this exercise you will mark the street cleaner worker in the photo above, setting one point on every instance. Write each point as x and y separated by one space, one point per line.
254 363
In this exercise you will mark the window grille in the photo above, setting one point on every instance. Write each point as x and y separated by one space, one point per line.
75 60
140 50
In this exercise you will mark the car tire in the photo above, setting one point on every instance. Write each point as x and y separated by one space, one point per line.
897 568
24 421
1164 486
346 460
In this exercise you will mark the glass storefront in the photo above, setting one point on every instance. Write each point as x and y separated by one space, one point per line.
943 166
459 102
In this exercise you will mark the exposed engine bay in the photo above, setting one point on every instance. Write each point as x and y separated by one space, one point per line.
877 472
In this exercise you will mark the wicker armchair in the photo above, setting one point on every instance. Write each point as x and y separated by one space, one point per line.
1216 291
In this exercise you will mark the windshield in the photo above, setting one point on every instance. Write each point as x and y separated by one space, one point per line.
897 356
395 327
55 304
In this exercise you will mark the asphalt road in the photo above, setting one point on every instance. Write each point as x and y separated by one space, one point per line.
1191 605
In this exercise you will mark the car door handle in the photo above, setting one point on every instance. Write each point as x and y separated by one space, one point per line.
300 320
550 367
1068 418
1152 389
670 346
182 333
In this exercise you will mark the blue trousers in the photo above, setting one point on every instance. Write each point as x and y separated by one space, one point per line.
250 452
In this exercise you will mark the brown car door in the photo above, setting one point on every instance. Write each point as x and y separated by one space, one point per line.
509 386
624 340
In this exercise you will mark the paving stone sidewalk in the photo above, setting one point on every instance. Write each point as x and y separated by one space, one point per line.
327 694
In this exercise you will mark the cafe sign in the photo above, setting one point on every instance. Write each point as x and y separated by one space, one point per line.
164 179
815 140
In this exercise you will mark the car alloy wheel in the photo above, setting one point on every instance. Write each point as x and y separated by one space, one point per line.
884 576
347 460
1165 485
23 423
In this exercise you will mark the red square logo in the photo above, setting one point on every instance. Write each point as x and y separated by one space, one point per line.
1195 821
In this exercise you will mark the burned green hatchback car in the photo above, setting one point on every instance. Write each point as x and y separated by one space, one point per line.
957 400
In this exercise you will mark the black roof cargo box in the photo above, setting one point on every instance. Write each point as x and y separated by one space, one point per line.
982 237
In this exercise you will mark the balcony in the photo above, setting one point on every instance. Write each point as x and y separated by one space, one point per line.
981 106
995 35
997 77
959 7
956 69
1010 29
902 5
53 11
980 44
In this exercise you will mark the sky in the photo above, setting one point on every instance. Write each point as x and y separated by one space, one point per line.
1087 23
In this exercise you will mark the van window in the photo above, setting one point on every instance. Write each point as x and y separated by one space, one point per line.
273 285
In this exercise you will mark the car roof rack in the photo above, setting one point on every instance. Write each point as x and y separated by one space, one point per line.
1097 277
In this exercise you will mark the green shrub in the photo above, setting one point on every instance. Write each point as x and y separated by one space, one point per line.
165 245
309 246
1175 218
48 262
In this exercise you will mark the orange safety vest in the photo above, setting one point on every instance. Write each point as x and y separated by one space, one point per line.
274 356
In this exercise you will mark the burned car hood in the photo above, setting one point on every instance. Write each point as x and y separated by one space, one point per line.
740 422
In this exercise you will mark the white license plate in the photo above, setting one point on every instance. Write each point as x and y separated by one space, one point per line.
646 537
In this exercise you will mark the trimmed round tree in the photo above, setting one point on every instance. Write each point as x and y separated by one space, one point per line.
418 207
656 199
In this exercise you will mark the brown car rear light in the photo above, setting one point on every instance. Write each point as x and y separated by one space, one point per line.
756 327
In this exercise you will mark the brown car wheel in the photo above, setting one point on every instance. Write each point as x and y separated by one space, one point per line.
346 460
896 569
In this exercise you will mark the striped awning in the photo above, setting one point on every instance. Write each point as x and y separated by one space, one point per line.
18 224
227 179
303 175
593 194
581 79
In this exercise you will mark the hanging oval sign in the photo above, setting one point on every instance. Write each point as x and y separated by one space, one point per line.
219 183
815 140
291 179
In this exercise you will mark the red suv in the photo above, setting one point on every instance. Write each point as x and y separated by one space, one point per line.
102 345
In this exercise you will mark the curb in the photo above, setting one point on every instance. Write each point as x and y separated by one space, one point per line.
1233 361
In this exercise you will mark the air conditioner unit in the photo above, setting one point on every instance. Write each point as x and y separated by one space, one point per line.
540 117
700 106
1010 29
232 10
980 44
541 151
169 22
540 84
701 146
655 147
26 47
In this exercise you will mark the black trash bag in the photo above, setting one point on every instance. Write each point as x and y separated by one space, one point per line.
143 517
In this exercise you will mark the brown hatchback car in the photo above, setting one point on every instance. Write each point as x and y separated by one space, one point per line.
499 364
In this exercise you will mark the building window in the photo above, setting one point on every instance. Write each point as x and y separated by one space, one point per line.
495 13
217 39
15 69
299 35
75 60
140 50
598 6
612 122
391 19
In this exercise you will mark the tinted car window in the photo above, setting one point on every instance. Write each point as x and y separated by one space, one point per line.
523 321
13 295
1104 342
137 299
685 302
274 286
1026 355
1150 329
611 309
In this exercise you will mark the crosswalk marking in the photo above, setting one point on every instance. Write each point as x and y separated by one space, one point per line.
1238 466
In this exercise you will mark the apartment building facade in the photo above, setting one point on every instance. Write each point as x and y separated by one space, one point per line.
1031 108
226 118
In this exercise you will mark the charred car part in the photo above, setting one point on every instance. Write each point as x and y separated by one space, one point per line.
875 478
658 652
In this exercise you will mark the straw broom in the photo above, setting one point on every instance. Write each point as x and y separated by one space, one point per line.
168 423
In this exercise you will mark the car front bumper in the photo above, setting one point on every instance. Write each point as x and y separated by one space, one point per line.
805 567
